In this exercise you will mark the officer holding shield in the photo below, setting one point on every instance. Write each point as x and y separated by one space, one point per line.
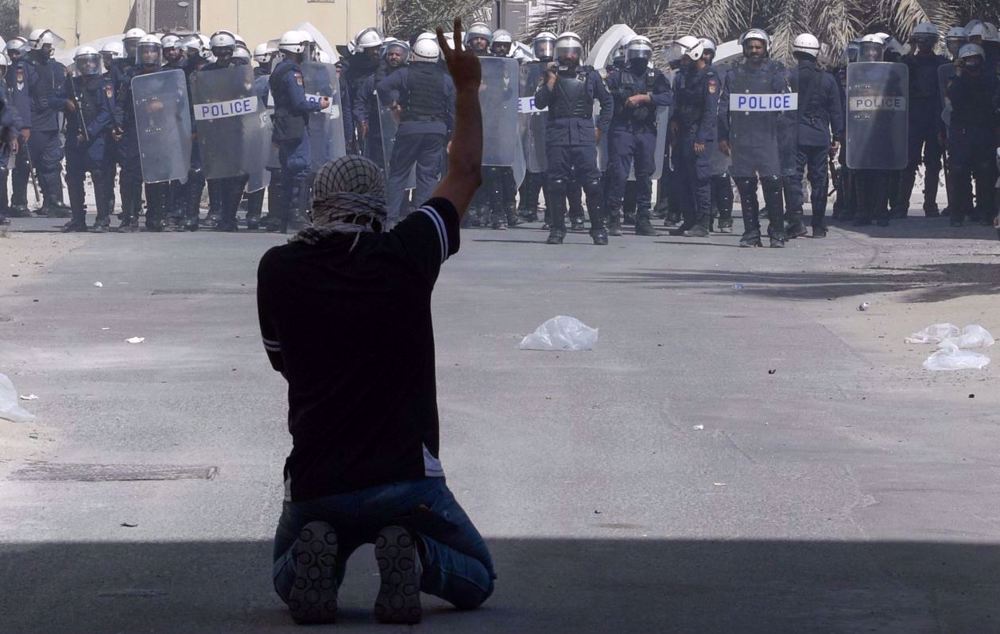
532 73
291 118
638 90
46 103
18 81
571 136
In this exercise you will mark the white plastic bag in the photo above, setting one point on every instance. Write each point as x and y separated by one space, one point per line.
951 357
973 336
9 407
561 333
934 334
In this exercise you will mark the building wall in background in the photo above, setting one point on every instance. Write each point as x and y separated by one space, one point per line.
80 21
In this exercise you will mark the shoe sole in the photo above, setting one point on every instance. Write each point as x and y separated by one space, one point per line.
313 598
398 598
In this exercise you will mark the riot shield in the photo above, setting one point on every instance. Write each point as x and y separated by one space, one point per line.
259 150
533 120
662 123
946 72
758 116
877 115
387 118
719 163
228 121
326 128
163 125
499 96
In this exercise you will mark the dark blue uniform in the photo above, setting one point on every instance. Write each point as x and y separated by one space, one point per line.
972 145
88 144
365 111
696 116
821 110
47 98
426 95
925 121
19 98
632 138
571 144
355 73
291 120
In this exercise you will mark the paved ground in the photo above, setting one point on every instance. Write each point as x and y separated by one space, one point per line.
834 486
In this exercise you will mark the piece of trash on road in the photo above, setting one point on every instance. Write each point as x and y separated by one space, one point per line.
698 427
9 407
561 333
737 287
29 397
128 525
135 339
935 333
973 336
951 357
863 306
719 484
98 284
105 328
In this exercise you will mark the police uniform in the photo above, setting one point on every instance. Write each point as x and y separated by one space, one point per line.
972 145
571 144
632 139
45 145
195 186
925 107
356 70
88 131
821 110
696 115
131 181
291 120
19 97
365 111
426 95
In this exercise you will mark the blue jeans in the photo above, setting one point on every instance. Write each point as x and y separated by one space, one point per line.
456 563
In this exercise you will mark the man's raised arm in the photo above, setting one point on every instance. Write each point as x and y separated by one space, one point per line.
465 156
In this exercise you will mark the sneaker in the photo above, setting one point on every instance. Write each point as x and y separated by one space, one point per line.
751 240
313 598
725 226
776 243
399 567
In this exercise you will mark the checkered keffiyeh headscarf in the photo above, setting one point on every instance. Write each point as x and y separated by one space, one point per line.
348 197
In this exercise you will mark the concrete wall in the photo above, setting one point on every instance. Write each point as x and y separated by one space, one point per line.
256 20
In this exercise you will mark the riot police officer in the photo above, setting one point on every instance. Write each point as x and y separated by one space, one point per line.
357 69
972 139
423 96
697 90
10 127
46 103
820 112
263 55
395 54
18 77
291 120
177 194
89 112
571 139
499 181
638 91
722 182
757 154
543 48
925 121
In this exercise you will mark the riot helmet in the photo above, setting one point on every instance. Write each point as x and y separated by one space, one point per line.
16 48
172 49
805 45
241 55
426 49
871 49
223 45
971 57
501 44
543 46
131 41
924 36
639 52
369 42
149 52
294 43
756 44
47 42
955 38
112 51
709 48
692 49
87 61
4 62
478 38
569 49
397 53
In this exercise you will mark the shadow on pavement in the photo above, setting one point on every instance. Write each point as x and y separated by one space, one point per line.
927 283
917 227
544 585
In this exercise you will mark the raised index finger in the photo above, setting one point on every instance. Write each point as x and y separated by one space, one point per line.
456 34
442 43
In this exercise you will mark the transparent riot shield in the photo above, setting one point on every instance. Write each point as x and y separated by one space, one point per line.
533 120
499 96
163 125
387 118
720 163
946 72
877 115
259 149
326 128
662 124
758 117
227 119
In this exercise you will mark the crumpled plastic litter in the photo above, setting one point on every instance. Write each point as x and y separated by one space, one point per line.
9 407
135 339
561 333
935 333
950 357
973 336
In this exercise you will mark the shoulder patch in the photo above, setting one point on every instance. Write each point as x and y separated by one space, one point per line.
713 85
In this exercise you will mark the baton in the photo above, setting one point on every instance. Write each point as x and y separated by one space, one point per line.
31 172
79 109
834 176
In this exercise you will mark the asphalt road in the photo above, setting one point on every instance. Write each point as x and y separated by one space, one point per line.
741 453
